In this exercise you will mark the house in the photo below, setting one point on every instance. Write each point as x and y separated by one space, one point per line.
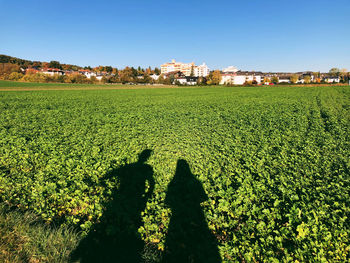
52 71
87 73
307 74
31 71
186 80
332 79
154 76
99 76
180 78
191 80
174 74
227 78
102 74
240 77
284 79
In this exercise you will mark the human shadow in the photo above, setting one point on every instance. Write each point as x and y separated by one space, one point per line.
189 238
115 238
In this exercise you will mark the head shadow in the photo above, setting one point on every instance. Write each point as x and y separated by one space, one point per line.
144 155
115 237
188 239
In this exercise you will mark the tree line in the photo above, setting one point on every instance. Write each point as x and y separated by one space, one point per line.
12 68
17 69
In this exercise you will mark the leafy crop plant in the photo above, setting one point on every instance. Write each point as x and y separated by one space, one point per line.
274 163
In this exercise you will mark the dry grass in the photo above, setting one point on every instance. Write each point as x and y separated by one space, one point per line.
23 238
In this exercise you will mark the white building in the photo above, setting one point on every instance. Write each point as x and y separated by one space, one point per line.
186 81
174 66
185 68
332 79
52 71
181 80
88 73
227 78
283 80
154 76
239 78
230 69
201 71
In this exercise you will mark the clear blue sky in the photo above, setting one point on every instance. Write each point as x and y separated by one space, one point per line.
271 35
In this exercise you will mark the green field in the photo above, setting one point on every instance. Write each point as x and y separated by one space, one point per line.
12 84
6 85
268 174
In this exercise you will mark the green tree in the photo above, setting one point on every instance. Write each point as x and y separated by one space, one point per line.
126 75
15 76
55 64
192 71
160 80
147 79
156 71
214 78
134 72
334 72
201 81
294 78
93 79
77 78
104 79
140 71
170 79
343 74
307 79
275 79
115 71
108 69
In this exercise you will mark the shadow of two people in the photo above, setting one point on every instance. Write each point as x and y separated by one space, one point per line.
116 239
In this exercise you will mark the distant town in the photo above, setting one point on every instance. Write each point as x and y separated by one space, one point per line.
170 73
